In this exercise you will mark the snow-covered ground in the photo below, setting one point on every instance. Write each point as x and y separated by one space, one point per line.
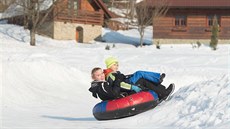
46 86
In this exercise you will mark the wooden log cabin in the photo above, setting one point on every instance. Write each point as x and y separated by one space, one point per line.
190 21
79 20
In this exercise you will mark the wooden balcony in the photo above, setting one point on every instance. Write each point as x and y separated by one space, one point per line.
81 16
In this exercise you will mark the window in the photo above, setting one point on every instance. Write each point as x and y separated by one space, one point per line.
73 6
69 7
180 21
210 20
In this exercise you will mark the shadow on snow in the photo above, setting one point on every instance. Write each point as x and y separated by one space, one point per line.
115 37
70 118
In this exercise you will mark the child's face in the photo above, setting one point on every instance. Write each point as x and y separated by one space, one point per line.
114 67
98 75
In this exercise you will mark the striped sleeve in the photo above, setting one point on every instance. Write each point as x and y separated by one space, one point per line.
123 85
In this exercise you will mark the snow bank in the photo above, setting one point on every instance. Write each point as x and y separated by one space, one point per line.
199 105
37 81
39 86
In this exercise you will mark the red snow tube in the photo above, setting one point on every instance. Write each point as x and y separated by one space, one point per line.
127 106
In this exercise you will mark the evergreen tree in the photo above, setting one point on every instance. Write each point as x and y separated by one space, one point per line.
215 34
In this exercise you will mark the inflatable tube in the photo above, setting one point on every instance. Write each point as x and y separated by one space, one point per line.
127 106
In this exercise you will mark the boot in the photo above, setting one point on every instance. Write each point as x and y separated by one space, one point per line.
169 91
162 76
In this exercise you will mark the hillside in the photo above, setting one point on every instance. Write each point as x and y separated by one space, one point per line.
46 86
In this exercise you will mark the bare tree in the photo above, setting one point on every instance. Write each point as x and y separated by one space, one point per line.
132 9
149 12
112 4
4 4
34 16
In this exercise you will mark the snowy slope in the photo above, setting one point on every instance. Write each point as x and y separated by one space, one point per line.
46 86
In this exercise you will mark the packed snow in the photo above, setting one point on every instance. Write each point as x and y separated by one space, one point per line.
46 86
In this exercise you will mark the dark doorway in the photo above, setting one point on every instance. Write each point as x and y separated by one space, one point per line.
79 34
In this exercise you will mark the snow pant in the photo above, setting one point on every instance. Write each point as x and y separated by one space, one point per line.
150 76
148 85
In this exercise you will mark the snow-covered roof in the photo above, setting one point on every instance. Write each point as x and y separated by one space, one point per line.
117 11
121 20
138 1
16 9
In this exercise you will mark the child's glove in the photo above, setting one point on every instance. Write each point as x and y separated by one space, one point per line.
135 88
120 76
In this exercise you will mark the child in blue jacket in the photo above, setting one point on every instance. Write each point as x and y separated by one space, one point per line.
129 81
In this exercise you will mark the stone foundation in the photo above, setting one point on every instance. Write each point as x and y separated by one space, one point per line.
67 31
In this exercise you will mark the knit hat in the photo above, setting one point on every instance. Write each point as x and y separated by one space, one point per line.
110 61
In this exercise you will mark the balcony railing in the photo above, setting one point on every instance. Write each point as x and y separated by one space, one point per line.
81 16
